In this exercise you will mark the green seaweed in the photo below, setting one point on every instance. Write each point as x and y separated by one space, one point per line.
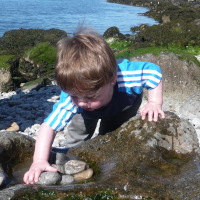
4 61
42 53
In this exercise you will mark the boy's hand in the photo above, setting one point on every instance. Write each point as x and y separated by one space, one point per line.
35 170
152 110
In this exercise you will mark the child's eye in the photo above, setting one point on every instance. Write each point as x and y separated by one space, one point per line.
73 97
92 97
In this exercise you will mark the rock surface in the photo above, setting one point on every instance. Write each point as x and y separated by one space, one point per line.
139 156
180 79
159 160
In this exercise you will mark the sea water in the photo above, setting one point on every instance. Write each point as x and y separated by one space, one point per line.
67 15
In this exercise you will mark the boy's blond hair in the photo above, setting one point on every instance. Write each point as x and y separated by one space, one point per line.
85 63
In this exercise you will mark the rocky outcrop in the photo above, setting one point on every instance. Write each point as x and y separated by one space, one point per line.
180 79
140 159
16 42
114 33
29 54
14 149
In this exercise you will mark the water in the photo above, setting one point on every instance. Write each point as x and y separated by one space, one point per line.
68 14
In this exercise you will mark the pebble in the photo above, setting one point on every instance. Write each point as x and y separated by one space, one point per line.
67 179
14 127
86 174
70 171
74 166
27 109
49 178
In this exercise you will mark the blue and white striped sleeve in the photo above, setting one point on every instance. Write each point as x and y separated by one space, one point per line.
62 113
138 75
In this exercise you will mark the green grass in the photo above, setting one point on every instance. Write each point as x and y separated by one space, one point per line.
123 49
4 61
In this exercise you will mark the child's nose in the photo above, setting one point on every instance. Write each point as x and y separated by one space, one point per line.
82 102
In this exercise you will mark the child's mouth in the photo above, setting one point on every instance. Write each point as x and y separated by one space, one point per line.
87 109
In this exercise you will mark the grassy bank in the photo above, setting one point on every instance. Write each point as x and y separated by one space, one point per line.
126 49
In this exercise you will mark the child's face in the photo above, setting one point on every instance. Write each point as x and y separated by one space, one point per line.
94 100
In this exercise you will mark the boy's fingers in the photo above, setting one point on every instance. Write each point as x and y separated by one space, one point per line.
150 115
26 178
162 114
31 178
51 169
37 175
155 116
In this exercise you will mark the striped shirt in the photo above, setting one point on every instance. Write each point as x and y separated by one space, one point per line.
132 77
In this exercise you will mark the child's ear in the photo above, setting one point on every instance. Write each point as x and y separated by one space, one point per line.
114 80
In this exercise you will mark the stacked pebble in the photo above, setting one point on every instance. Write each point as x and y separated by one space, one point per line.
68 171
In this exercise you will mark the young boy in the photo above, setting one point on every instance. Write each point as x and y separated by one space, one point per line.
94 86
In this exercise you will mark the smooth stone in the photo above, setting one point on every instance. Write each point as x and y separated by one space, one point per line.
61 158
74 166
83 175
49 178
60 168
57 158
14 127
67 179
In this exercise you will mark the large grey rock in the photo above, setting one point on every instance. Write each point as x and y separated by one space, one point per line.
14 148
181 79
191 108
158 160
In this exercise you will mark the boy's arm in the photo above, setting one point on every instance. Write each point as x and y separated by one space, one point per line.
41 155
154 106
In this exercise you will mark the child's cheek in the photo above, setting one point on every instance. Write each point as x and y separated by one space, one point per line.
96 104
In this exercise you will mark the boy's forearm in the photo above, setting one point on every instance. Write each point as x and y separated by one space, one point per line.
156 95
43 143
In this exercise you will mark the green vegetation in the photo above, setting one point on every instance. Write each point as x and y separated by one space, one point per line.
126 49
4 61
42 53
45 194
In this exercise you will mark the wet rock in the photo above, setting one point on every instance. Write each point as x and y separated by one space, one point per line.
57 158
28 38
49 178
113 32
15 146
67 179
153 158
74 166
84 175
61 158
